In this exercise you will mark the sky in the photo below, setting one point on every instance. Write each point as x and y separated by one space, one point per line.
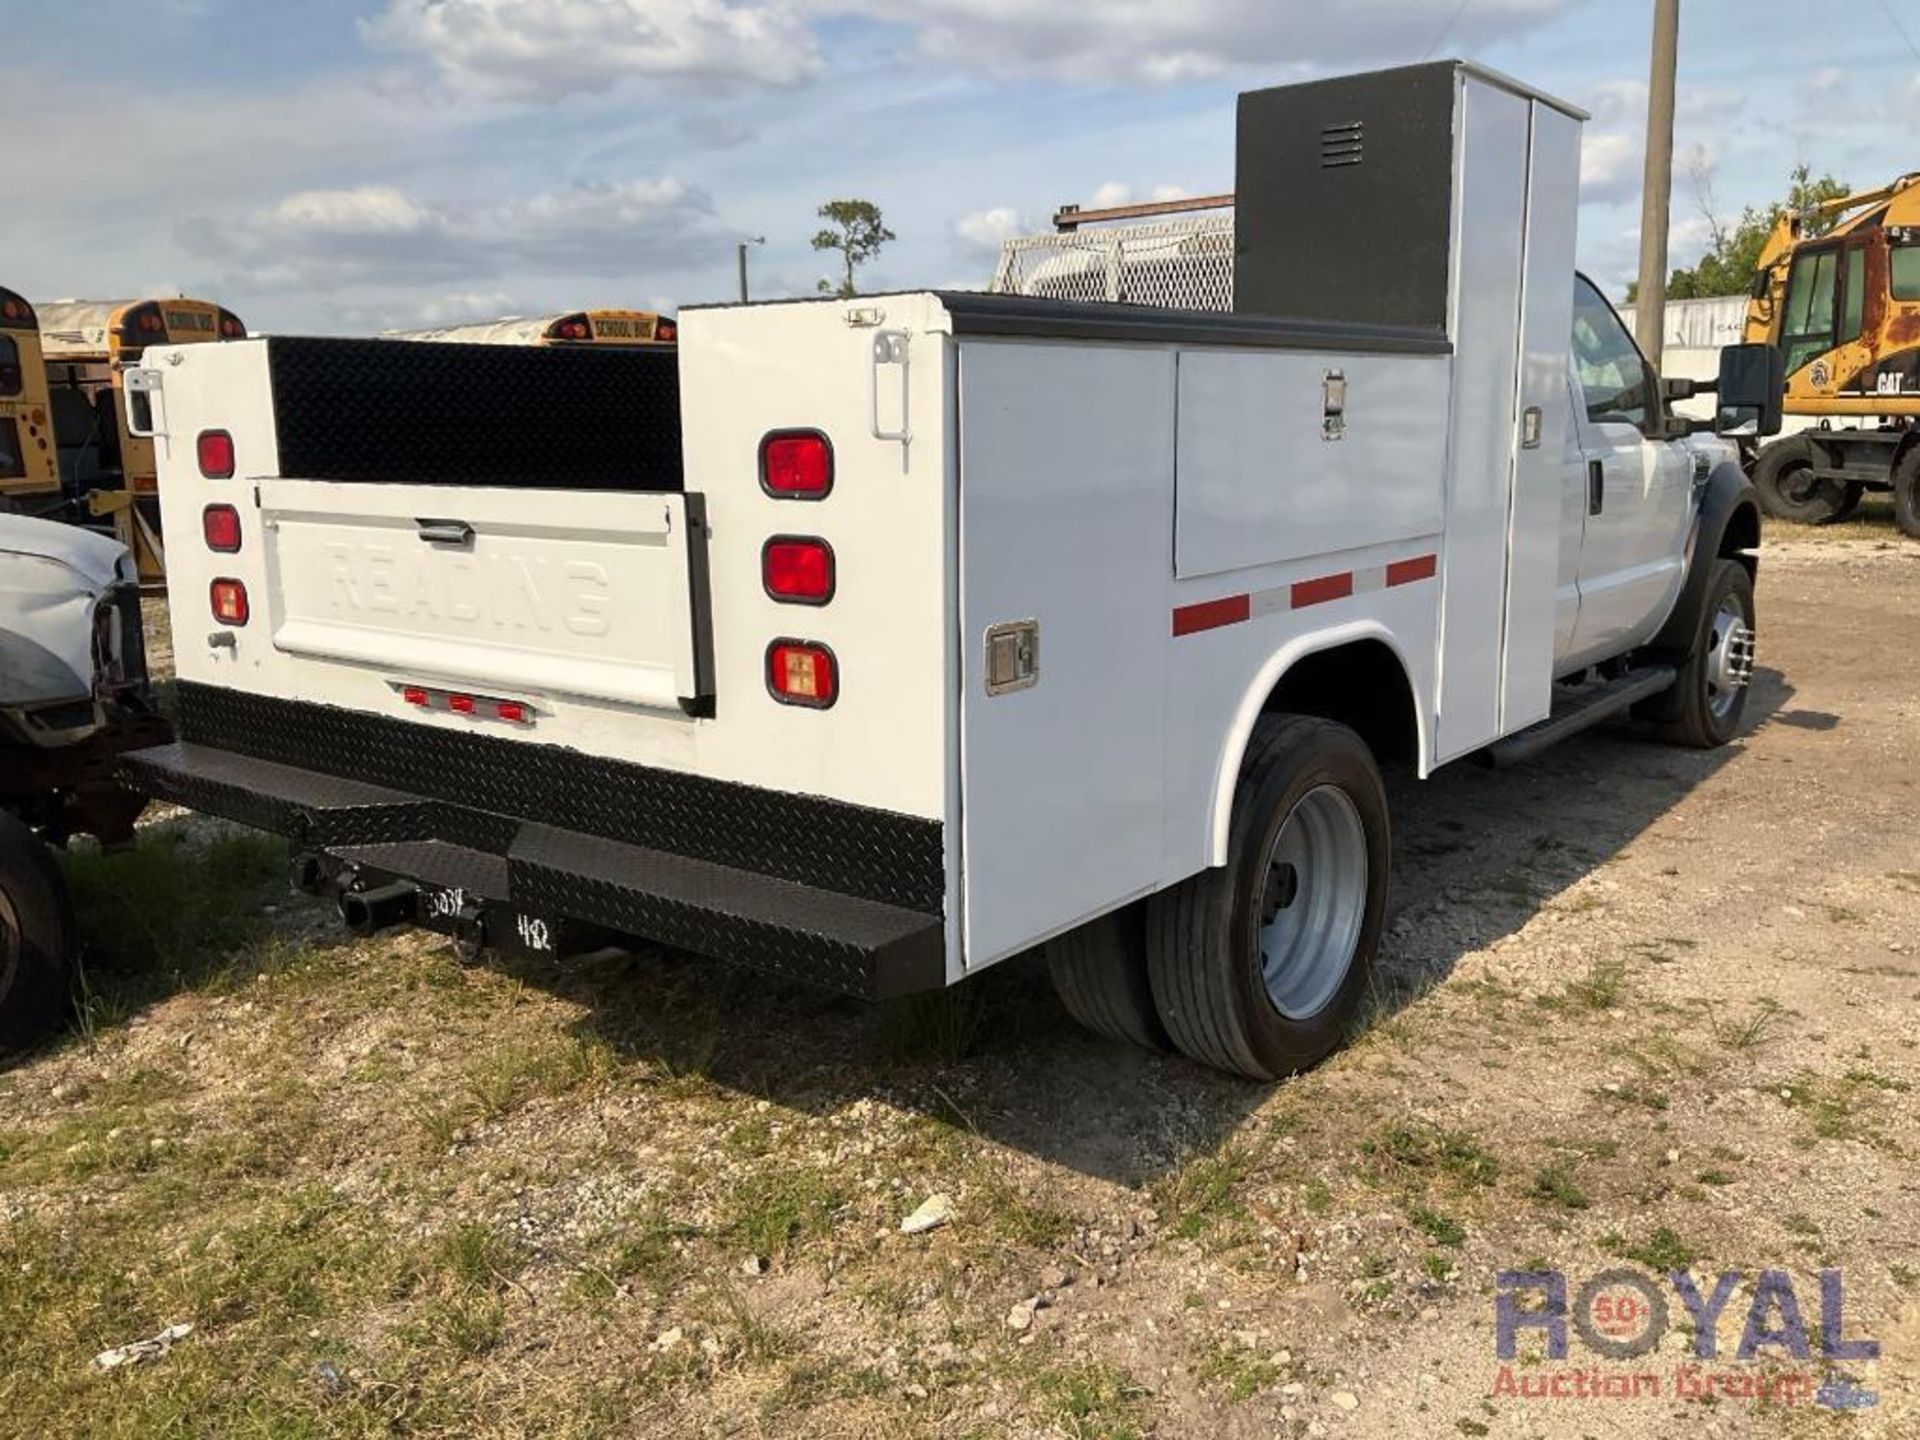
347 166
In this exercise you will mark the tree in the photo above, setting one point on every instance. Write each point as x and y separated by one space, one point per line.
1733 253
857 233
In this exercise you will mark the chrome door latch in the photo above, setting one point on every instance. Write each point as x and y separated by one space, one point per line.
1333 406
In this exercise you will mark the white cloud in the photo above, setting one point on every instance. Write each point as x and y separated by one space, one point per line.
1609 166
379 236
1111 194
368 210
982 232
1156 42
545 49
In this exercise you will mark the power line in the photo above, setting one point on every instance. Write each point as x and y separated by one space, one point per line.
1434 48
1894 20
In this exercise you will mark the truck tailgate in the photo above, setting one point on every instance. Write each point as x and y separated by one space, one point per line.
585 594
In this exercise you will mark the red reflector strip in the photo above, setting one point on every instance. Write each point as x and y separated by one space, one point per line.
1405 572
1211 614
1320 591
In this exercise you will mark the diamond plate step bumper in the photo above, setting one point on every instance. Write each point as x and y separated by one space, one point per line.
803 932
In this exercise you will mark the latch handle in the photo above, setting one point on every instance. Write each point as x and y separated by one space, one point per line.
889 348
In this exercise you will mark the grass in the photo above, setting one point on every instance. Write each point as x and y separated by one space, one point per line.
1412 1147
1553 1185
775 1211
1745 1034
1437 1225
1093 1401
1661 1251
1202 1192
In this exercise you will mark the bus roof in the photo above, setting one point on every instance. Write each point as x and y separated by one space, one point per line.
80 329
514 329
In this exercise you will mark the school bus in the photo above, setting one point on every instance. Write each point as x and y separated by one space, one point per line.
88 344
29 468
578 327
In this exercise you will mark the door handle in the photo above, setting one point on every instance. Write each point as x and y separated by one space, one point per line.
1596 487
445 532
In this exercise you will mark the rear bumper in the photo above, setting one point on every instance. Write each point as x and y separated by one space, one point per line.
460 864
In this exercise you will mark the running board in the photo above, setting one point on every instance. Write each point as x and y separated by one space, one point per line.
1580 710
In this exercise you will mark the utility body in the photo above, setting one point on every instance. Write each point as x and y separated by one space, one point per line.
876 641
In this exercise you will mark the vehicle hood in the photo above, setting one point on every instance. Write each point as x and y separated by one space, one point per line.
51 578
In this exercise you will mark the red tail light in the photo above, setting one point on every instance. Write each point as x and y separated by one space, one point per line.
797 569
216 454
221 525
230 602
796 465
801 672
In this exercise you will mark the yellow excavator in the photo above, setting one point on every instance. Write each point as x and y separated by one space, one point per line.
1844 306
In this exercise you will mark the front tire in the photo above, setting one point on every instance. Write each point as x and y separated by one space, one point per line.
1788 490
1259 967
1716 679
36 938
1906 493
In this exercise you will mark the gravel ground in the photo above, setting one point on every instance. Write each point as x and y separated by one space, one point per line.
1643 1009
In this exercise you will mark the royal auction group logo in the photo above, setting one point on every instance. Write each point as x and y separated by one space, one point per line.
1623 1315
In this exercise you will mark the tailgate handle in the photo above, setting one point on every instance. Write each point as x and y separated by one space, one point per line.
445 532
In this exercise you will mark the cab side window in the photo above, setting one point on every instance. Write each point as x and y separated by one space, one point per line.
1808 331
1616 379
1906 271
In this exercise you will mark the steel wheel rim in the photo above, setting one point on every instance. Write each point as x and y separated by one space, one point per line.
1729 657
1313 902
1797 483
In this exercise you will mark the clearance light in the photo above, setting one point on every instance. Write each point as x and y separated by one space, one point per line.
666 332
800 672
414 695
230 326
511 710
797 569
796 465
460 704
221 525
230 602
216 454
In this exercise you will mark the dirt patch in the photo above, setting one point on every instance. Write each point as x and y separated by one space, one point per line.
1641 1008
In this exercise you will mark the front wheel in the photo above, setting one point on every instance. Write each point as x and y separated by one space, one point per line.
1789 490
1716 679
36 938
1259 967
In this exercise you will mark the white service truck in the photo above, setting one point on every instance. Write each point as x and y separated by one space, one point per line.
875 641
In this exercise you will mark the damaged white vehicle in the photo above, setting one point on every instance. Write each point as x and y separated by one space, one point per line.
73 698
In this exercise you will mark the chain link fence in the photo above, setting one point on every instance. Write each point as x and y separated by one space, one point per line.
1185 264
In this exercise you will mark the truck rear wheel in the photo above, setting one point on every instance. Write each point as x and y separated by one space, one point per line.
1100 974
1259 967
1711 693
36 938
1906 492
1789 490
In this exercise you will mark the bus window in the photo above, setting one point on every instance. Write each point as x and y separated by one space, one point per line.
12 379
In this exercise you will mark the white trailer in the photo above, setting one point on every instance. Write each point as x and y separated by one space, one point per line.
875 641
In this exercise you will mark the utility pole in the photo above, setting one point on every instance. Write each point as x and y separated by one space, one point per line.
1650 304
742 248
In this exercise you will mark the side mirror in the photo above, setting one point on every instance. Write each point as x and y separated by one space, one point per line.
1752 389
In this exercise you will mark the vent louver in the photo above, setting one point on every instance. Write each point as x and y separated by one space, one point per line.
1342 144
